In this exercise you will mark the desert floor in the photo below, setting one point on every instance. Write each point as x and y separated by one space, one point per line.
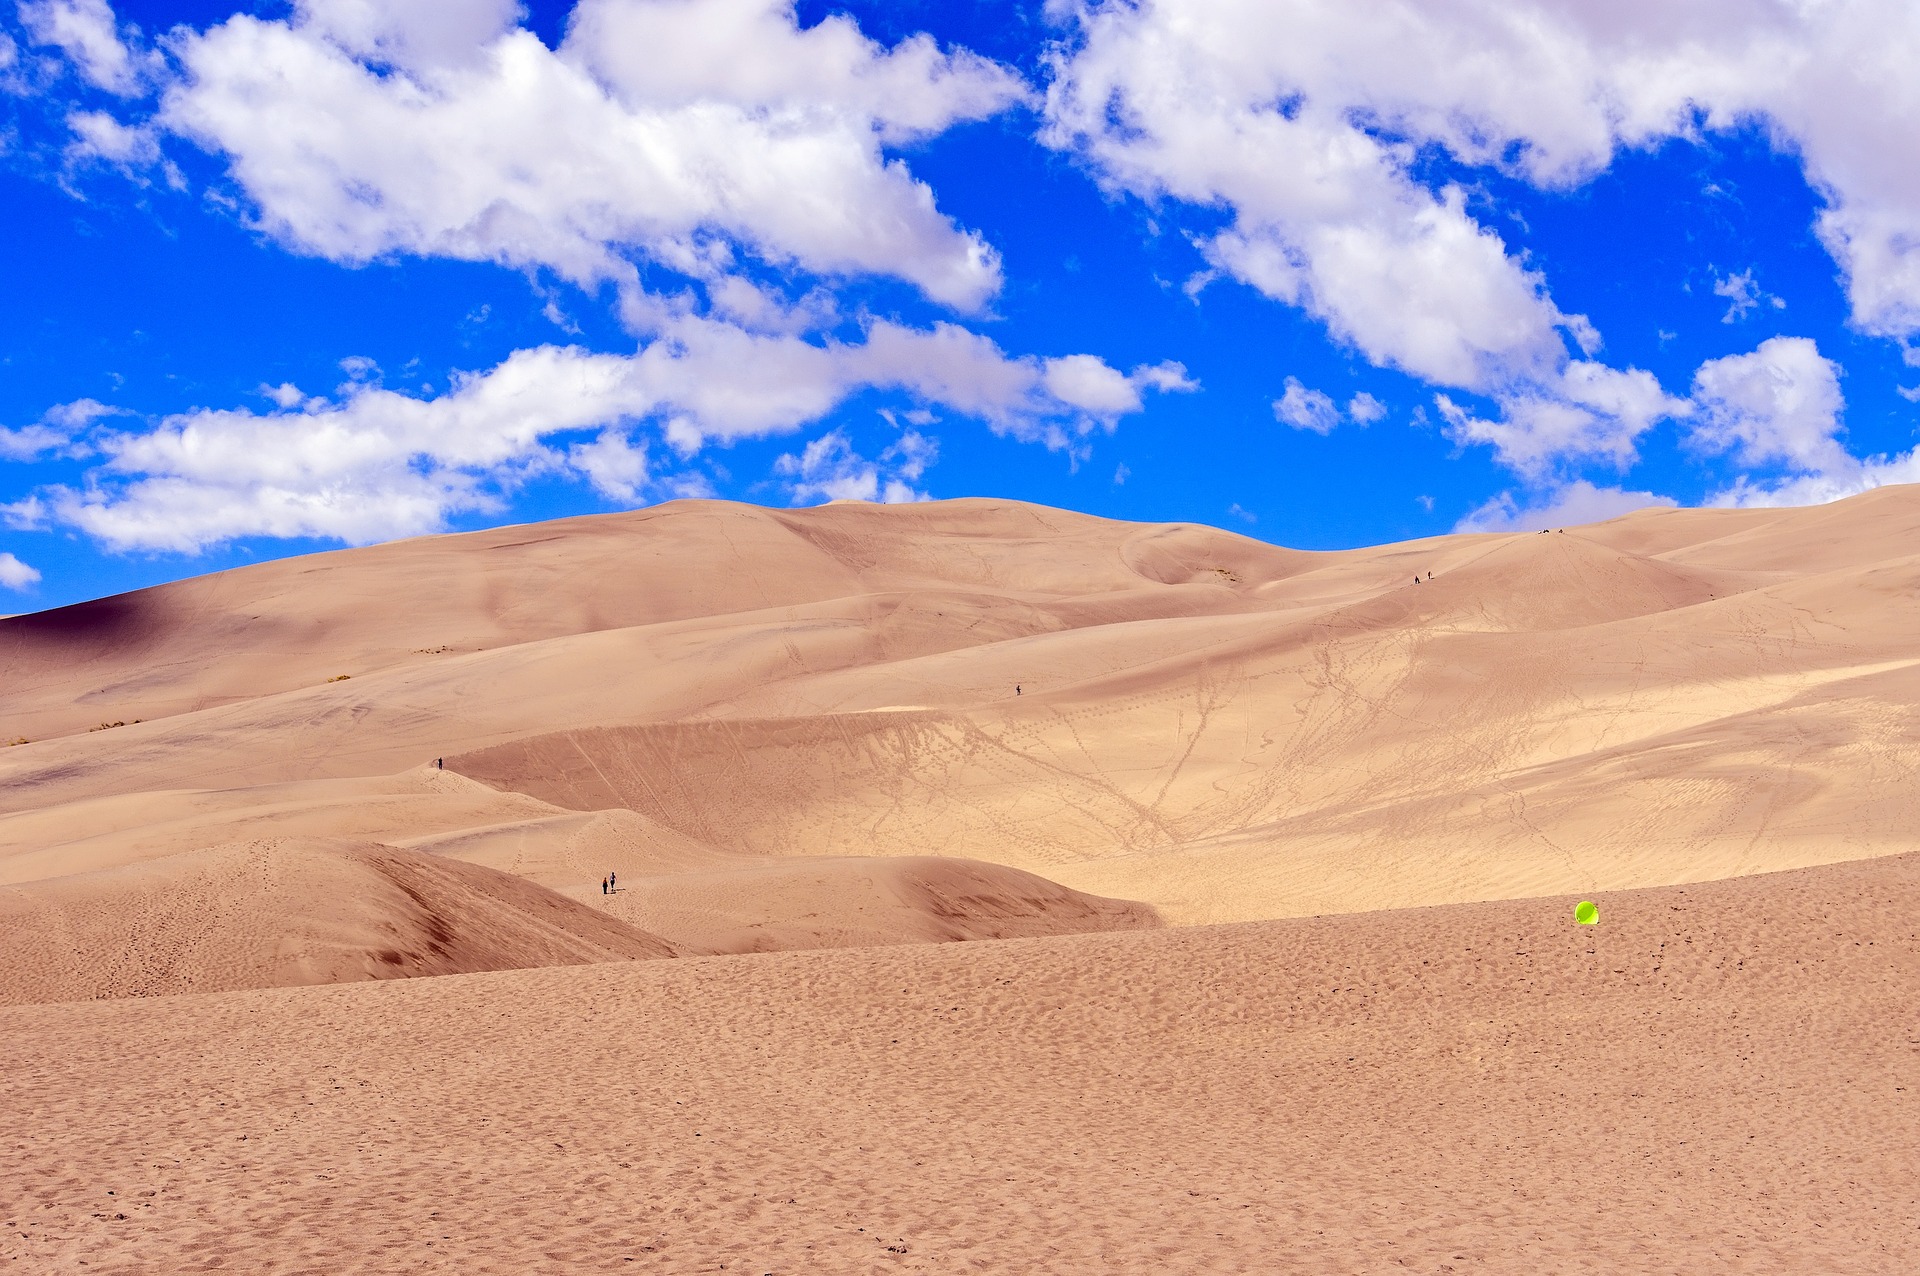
1720 1077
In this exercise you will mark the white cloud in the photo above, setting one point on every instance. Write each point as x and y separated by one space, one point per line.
79 414
1777 408
85 31
1223 105
411 36
614 462
1089 384
1742 295
1303 120
1548 89
361 130
15 574
1365 409
98 135
57 431
377 463
828 469
1819 488
1570 505
1305 409
712 140
1589 413
752 53
30 441
1779 405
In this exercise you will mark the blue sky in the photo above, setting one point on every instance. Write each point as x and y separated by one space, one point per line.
286 277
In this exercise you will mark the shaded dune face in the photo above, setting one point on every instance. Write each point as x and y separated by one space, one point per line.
865 901
776 726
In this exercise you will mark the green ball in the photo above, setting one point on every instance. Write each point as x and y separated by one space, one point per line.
1585 913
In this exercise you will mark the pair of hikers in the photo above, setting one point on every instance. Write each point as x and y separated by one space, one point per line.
608 882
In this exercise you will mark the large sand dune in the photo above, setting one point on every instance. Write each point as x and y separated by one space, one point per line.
868 731
1220 728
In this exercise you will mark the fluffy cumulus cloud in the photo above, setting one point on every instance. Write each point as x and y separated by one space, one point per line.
828 469
15 574
1196 103
1304 121
1587 413
93 42
1779 405
1566 506
1305 409
1778 411
723 168
659 132
1365 409
1246 106
376 463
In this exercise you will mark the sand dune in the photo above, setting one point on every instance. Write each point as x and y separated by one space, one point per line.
288 912
867 732
1716 1078
1222 729
848 902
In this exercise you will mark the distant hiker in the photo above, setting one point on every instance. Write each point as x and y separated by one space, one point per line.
613 881
1429 575
1416 578
439 764
603 886
1016 688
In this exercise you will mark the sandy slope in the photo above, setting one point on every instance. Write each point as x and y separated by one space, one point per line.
800 730
1220 728
1719 1077
283 912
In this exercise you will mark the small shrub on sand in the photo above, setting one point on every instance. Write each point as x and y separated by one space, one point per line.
340 677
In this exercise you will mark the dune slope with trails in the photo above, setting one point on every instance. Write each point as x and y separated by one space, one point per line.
1217 728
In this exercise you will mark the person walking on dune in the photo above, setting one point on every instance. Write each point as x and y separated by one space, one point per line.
603 886
613 883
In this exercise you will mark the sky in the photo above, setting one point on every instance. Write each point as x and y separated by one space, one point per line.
280 278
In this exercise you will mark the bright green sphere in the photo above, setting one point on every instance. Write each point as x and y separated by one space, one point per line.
1585 913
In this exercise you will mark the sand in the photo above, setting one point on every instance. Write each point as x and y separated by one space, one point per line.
999 889
1221 729
1719 1077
